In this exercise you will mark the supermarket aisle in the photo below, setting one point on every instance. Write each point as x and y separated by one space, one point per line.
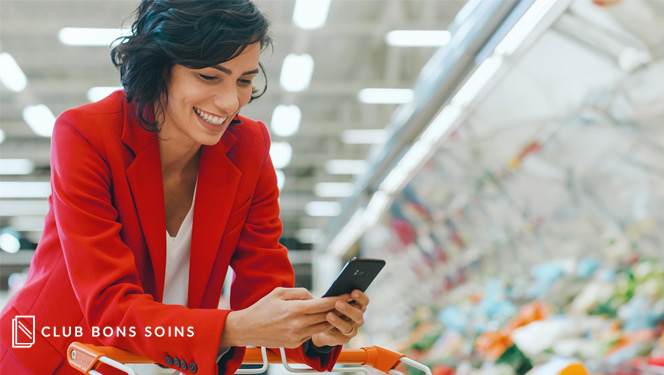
527 227
517 198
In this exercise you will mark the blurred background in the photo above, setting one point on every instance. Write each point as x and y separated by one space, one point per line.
505 158
323 57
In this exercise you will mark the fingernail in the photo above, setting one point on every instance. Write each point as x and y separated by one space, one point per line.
341 306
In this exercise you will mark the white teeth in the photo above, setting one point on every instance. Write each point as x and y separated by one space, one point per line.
214 120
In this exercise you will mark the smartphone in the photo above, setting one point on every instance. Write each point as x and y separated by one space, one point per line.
358 273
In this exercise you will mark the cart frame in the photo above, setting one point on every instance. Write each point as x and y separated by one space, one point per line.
87 358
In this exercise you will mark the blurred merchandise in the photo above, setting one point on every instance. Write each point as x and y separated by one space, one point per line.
530 241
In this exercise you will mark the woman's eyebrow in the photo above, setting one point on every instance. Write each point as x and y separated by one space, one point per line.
229 72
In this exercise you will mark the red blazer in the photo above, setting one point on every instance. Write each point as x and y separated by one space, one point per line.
101 259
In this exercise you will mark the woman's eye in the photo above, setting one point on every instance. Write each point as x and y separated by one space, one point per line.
244 82
207 78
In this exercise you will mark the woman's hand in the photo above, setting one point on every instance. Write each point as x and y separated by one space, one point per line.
345 321
285 318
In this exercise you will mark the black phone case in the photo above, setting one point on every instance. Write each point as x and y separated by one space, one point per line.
357 274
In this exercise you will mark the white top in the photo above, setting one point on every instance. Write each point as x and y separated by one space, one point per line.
176 285
178 251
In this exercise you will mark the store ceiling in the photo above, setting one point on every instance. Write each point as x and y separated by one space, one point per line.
350 54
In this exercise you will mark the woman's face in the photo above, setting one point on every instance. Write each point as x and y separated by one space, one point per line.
202 102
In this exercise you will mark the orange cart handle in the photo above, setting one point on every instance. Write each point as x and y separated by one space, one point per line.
374 356
86 357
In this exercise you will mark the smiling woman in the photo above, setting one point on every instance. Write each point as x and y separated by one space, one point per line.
196 34
154 196
202 102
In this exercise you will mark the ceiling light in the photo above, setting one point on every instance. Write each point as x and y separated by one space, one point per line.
296 72
364 136
96 94
418 38
286 120
281 179
16 189
9 241
16 166
310 14
11 74
334 189
80 36
341 166
40 119
281 153
385 96
320 208
2 136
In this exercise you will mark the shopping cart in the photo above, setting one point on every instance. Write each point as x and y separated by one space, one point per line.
88 358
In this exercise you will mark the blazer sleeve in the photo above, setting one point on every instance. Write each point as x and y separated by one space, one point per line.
261 263
101 267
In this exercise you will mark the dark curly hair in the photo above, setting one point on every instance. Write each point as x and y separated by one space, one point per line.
193 33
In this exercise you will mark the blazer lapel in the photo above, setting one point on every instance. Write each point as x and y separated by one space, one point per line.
145 181
218 180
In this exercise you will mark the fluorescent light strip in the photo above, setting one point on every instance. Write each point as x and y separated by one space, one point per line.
364 136
16 166
377 206
322 208
476 83
418 38
296 72
334 189
79 36
394 179
414 157
40 119
441 124
11 74
96 94
286 120
348 235
341 166
15 189
310 14
522 30
2 136
385 96
281 154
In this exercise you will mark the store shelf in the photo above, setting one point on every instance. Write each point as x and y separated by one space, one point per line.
549 194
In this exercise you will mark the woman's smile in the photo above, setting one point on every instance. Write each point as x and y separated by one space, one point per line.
202 102
209 117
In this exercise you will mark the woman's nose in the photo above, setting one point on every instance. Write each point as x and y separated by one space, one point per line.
227 102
